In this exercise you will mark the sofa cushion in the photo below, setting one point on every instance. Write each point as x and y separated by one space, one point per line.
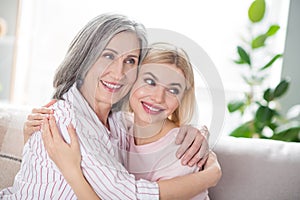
257 169
11 141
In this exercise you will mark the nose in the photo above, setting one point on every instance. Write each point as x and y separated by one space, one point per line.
118 68
158 94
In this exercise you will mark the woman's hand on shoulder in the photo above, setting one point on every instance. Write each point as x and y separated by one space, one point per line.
66 156
35 119
194 147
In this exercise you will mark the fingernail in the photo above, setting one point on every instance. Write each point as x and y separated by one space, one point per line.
191 164
184 162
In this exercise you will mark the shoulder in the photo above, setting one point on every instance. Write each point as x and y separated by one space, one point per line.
63 108
122 120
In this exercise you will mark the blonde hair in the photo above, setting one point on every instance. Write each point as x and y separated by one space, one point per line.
164 53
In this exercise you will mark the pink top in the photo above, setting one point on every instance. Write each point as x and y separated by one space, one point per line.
157 160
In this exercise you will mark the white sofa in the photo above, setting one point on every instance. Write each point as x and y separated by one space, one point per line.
253 169
257 169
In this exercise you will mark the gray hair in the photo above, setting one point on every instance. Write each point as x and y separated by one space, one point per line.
88 45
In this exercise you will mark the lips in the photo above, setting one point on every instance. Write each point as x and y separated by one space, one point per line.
151 109
110 86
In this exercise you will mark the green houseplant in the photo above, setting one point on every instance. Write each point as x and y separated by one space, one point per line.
260 103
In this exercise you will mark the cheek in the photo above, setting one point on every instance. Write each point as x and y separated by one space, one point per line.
131 75
136 94
173 103
133 101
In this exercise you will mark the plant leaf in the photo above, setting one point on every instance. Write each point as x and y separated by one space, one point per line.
235 105
271 61
269 95
259 41
244 130
243 55
273 30
288 132
239 62
281 88
264 115
256 11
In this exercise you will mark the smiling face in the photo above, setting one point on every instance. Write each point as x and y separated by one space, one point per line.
115 71
157 92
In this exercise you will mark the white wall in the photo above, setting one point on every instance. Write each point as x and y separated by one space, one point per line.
48 26
291 65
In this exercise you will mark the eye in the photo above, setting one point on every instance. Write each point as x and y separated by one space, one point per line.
130 61
150 81
109 56
174 91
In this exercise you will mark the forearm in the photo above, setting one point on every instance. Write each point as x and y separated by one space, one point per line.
188 186
80 186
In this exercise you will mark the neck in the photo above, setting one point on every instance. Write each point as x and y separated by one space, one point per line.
152 132
102 111
100 108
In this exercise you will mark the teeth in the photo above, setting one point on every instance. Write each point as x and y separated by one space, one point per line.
151 108
112 86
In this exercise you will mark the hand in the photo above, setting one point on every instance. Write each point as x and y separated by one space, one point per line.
194 147
67 157
35 119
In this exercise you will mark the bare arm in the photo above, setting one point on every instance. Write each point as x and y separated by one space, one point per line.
67 156
188 186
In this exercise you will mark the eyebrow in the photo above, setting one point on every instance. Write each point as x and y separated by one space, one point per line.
131 55
172 84
178 84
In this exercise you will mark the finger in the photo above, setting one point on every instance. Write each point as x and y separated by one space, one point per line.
204 131
31 129
181 134
193 151
189 136
187 145
73 136
54 129
36 116
203 152
42 110
53 101
36 122
46 134
202 162
32 126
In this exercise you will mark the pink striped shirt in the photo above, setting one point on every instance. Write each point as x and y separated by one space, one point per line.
39 178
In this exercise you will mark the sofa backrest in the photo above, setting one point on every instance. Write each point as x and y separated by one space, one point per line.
257 169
